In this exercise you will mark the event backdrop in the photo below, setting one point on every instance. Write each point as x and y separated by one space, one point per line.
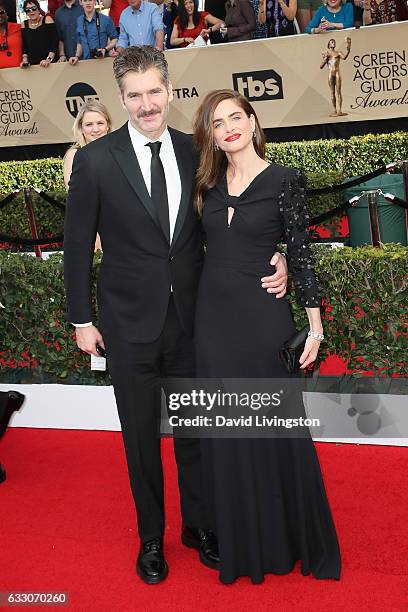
287 79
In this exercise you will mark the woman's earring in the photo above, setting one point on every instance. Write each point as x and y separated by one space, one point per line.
216 147
254 134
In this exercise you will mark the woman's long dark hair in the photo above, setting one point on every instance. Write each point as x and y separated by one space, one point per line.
183 16
213 164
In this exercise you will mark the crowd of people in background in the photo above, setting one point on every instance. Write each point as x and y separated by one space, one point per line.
74 30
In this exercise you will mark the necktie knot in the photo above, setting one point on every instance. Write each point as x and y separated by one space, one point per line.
154 147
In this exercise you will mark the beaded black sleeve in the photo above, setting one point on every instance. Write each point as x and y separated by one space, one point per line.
292 206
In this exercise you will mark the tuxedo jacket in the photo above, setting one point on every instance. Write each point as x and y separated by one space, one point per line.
107 194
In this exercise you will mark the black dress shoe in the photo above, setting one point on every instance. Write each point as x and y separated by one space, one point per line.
151 565
205 542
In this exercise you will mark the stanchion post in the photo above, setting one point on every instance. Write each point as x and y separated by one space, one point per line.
405 176
373 215
31 219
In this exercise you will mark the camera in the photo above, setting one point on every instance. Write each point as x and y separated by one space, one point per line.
96 53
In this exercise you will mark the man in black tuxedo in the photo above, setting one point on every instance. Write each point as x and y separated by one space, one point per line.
135 187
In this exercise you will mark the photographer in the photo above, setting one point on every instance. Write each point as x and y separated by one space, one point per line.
94 30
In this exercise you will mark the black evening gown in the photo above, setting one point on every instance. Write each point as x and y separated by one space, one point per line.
266 499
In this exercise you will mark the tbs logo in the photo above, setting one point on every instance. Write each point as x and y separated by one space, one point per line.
260 85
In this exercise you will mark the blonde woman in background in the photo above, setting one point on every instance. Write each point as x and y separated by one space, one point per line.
92 122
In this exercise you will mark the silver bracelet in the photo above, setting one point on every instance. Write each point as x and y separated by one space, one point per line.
315 335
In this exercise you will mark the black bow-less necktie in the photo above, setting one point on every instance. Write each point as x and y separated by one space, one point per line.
159 188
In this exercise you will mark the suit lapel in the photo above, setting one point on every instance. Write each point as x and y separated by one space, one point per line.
185 162
124 153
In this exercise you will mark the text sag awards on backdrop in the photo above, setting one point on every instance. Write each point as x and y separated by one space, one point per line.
349 75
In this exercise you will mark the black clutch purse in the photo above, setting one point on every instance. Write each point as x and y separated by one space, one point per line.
292 349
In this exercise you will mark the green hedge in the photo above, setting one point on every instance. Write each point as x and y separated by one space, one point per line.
352 157
34 333
365 324
49 220
45 174
326 162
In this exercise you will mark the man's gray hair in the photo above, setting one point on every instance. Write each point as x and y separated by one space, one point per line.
140 59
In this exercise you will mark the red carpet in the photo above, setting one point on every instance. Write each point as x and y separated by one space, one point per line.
67 524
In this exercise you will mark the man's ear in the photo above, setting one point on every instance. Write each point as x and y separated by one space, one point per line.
120 94
170 92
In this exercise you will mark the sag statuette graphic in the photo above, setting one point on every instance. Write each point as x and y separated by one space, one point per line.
332 58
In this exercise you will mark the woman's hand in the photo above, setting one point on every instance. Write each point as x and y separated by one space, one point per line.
309 354
189 40
45 63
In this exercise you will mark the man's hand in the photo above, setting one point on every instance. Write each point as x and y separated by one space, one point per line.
87 338
278 281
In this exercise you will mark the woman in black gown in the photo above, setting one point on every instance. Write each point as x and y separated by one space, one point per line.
266 498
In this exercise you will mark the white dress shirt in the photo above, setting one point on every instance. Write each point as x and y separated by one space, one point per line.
171 172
